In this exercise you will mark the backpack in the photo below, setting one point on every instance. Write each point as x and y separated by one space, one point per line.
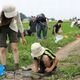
40 18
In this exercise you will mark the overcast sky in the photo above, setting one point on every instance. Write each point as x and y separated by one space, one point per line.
58 9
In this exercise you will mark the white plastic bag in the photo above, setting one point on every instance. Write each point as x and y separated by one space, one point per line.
58 38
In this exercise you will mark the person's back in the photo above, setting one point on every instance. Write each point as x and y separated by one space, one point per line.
48 53
40 18
4 21
57 27
32 24
41 26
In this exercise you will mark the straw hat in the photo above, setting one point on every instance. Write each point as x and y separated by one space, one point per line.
37 50
9 11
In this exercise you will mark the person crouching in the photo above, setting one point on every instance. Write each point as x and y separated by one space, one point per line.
44 59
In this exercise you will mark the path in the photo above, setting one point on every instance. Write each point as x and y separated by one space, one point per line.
66 50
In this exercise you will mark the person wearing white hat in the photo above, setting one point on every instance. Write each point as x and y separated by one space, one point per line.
44 59
10 19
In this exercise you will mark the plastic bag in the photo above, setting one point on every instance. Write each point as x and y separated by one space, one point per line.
2 69
58 38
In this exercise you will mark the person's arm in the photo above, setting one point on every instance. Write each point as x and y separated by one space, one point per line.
19 23
36 66
47 22
54 29
23 38
55 61
20 27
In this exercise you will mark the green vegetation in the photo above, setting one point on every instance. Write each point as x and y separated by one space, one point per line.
24 51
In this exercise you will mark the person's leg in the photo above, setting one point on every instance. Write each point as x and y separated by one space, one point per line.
3 56
3 45
16 55
38 31
13 40
46 61
44 32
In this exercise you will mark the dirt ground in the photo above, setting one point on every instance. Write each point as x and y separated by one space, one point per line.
70 49
62 54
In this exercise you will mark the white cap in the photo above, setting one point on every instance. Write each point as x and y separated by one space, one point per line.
37 50
9 11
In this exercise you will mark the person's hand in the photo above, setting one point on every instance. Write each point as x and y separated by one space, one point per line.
23 41
34 69
48 69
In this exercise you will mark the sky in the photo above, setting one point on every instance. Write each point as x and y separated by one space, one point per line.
58 9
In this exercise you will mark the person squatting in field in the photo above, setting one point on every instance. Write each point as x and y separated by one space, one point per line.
44 59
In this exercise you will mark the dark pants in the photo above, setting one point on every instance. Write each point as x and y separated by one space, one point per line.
7 33
41 29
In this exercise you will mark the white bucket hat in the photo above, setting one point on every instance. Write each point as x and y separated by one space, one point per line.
37 50
9 11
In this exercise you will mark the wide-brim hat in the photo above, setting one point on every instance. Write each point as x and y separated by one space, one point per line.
37 50
9 11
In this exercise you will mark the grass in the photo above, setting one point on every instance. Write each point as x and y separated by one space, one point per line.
25 57
24 51
68 68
